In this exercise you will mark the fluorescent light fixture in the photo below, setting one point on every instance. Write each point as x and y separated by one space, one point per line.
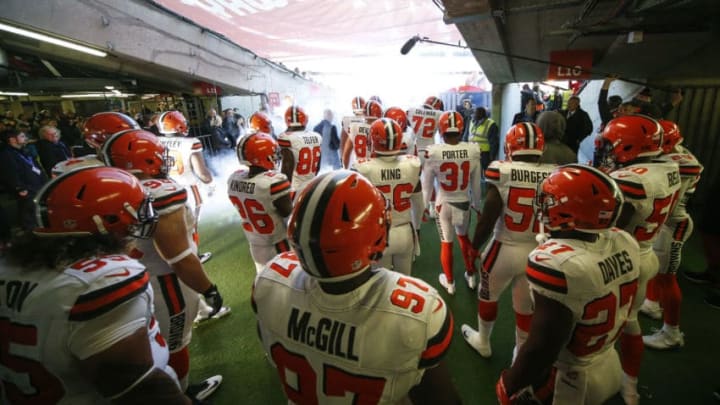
12 93
110 87
97 95
52 40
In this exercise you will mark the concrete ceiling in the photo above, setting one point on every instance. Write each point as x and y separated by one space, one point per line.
679 37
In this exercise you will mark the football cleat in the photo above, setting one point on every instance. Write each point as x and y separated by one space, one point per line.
651 309
202 318
664 340
628 390
450 287
472 337
205 257
471 280
202 390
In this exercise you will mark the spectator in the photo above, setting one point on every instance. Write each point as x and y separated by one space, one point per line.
51 149
329 149
555 101
529 114
552 124
578 125
526 94
607 106
21 175
643 102
230 129
467 111
485 133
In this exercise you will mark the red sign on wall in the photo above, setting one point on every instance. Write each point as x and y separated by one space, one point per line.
206 89
570 65
274 99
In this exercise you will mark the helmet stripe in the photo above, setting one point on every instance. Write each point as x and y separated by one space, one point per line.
530 136
390 135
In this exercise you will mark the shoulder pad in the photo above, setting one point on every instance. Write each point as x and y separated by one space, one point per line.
168 195
630 182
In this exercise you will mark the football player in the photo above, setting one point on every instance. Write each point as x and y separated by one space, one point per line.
188 163
79 327
358 109
358 135
508 207
424 123
335 328
96 130
584 283
177 275
668 245
300 150
398 178
260 122
456 166
261 194
626 149
398 115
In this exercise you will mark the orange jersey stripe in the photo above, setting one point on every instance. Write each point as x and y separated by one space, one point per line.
492 174
690 170
438 345
546 277
632 190
492 255
284 143
279 187
170 200
172 293
96 303
197 146
680 230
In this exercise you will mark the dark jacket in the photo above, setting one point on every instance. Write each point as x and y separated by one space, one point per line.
521 117
19 172
578 127
51 153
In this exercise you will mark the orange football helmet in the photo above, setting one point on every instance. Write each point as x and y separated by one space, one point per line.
94 201
137 151
578 197
451 122
626 139
172 122
434 103
358 105
373 109
339 225
671 135
397 114
259 149
524 138
101 126
386 136
260 122
295 117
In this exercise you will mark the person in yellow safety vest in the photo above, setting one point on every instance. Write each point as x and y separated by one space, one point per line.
484 132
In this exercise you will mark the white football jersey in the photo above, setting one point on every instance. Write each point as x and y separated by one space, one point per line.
424 124
653 190
305 148
351 119
168 196
253 197
690 170
517 184
396 177
597 281
458 173
76 163
330 343
359 138
52 318
180 149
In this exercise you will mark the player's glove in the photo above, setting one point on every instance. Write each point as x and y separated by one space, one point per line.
523 397
214 299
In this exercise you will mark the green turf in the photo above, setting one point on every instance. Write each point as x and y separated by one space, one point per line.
230 346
